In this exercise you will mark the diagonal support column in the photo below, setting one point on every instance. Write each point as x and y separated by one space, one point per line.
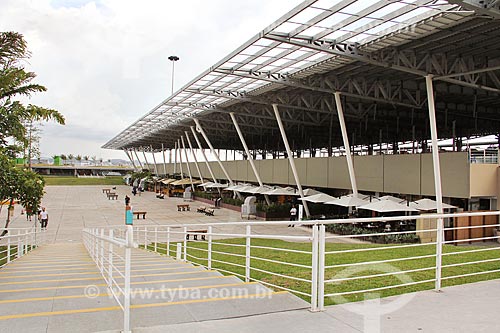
164 161
203 154
290 158
247 151
180 158
345 139
194 156
187 163
130 158
437 178
146 163
137 156
200 130
154 160
175 158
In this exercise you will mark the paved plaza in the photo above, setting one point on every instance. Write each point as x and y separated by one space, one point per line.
24 298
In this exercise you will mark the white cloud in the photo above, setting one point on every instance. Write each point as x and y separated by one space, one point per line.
105 62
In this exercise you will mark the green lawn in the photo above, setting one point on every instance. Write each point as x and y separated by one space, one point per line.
3 255
196 249
63 180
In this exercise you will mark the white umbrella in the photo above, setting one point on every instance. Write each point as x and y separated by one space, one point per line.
246 189
236 187
428 204
390 197
309 192
347 201
385 206
282 191
260 189
321 197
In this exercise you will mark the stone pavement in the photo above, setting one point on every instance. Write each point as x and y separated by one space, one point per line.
72 208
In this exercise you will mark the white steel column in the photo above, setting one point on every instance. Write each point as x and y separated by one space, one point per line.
146 160
347 147
154 160
164 162
290 158
175 158
250 158
137 156
200 129
437 177
194 156
187 163
130 158
180 158
203 154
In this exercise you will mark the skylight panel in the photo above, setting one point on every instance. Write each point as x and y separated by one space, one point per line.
306 15
414 13
325 4
312 31
286 27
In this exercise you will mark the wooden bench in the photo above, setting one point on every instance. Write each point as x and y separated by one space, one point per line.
141 213
113 196
182 207
195 234
209 212
201 209
106 190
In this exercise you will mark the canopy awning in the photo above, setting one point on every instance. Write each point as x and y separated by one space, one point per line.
185 181
168 181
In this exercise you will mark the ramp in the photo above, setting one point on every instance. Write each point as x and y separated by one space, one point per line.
57 288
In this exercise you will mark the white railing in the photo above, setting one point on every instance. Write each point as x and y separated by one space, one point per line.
322 270
17 242
110 248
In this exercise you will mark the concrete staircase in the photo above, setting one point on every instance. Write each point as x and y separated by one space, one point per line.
57 288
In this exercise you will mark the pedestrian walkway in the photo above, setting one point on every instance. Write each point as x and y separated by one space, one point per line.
58 288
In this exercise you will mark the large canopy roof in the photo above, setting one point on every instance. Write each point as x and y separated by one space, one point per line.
374 52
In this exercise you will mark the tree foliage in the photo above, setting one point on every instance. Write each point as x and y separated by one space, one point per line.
18 184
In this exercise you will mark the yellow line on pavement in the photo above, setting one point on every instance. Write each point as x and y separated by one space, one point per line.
135 306
101 278
103 284
139 292
96 272
15 265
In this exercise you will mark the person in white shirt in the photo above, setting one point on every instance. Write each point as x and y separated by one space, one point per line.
44 218
293 215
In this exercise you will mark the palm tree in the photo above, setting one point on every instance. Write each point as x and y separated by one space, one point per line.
71 157
64 158
79 159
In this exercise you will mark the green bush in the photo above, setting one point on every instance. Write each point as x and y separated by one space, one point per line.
350 229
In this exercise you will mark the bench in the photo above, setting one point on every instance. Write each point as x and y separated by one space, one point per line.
113 196
201 209
195 234
106 190
209 212
141 213
182 207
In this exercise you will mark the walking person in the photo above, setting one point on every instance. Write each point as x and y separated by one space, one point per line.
293 215
127 200
44 218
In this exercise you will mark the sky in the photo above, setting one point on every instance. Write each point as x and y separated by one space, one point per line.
105 62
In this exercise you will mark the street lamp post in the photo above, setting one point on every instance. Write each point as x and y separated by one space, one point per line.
173 59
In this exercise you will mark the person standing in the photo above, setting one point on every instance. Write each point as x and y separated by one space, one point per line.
44 218
127 200
293 215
